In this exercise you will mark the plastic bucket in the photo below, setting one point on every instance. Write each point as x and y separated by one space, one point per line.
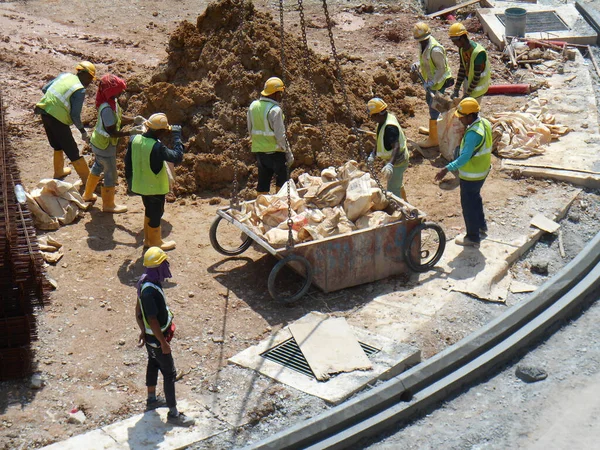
515 20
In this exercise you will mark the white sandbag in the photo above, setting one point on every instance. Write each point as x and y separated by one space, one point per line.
278 237
328 194
450 133
378 200
41 219
305 180
349 171
358 197
374 219
328 175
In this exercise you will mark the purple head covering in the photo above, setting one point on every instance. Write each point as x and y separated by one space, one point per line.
154 275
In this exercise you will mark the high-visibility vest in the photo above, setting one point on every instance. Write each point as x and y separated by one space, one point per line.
428 67
144 181
486 75
100 137
387 154
263 136
57 99
480 163
147 328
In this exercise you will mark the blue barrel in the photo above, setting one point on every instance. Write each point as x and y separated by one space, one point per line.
515 20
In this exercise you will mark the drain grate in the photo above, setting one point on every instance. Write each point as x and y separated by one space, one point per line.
540 21
289 355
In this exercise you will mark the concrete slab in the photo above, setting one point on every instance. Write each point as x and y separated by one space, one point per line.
392 359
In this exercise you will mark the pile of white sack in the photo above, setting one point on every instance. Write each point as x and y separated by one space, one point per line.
54 203
338 202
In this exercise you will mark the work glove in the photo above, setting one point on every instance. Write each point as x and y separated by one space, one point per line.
139 120
387 171
176 129
84 136
428 84
414 67
371 158
289 158
136 130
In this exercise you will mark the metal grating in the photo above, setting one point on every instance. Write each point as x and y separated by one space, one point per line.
289 355
540 21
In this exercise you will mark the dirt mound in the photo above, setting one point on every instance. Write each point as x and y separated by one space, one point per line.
217 67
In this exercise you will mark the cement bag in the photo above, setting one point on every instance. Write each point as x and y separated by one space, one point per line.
378 200
305 180
278 237
271 210
296 200
358 197
450 132
315 216
327 228
298 221
374 219
350 171
41 220
345 225
328 194
329 174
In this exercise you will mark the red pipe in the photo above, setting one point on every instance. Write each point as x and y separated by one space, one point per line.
499 89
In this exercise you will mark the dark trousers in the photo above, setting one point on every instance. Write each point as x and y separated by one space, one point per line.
159 361
60 136
155 208
433 113
269 165
472 207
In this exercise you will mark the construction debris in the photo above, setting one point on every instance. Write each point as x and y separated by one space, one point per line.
54 203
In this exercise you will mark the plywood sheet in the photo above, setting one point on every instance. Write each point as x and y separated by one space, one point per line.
543 223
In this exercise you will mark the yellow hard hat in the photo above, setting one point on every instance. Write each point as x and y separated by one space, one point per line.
154 257
158 121
376 105
467 106
421 31
88 67
457 30
273 85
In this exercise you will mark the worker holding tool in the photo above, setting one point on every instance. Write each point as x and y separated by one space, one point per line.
60 107
474 65
391 146
104 141
155 320
269 141
473 165
146 173
434 72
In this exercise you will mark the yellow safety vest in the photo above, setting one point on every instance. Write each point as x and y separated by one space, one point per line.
387 154
428 67
263 136
478 167
144 181
486 75
57 99
147 328
100 137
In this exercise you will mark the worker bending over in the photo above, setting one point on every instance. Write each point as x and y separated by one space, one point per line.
269 141
391 146
60 107
473 165
146 173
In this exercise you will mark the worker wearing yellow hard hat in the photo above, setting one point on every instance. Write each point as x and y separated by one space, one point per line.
146 173
60 107
473 164
475 67
435 73
269 141
390 146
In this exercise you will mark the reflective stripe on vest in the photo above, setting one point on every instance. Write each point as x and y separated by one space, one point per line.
263 136
484 78
147 328
428 67
57 99
144 181
480 163
100 137
387 154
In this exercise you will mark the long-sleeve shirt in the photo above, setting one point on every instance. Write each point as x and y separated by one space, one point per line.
439 61
76 101
275 118
472 140
463 71
159 154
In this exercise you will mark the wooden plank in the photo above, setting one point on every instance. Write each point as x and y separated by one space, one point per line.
452 8
543 223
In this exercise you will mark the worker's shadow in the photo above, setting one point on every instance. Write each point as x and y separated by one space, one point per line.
101 229
467 264
148 432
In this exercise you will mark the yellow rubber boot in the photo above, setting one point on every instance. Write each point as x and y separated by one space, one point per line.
154 239
108 201
432 140
90 187
82 169
146 236
60 171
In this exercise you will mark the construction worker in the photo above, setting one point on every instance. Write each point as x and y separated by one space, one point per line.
60 107
146 173
104 141
473 165
391 146
433 66
155 320
269 141
475 68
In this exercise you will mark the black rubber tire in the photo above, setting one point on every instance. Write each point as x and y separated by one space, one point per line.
224 251
280 265
416 231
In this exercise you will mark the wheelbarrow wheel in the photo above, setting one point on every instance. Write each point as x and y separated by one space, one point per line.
226 251
308 273
425 246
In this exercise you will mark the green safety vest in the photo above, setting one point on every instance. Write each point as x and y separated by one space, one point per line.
100 137
57 99
486 75
428 67
148 330
144 181
480 163
387 154
263 136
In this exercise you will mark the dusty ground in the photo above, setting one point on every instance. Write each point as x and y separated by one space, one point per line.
86 351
